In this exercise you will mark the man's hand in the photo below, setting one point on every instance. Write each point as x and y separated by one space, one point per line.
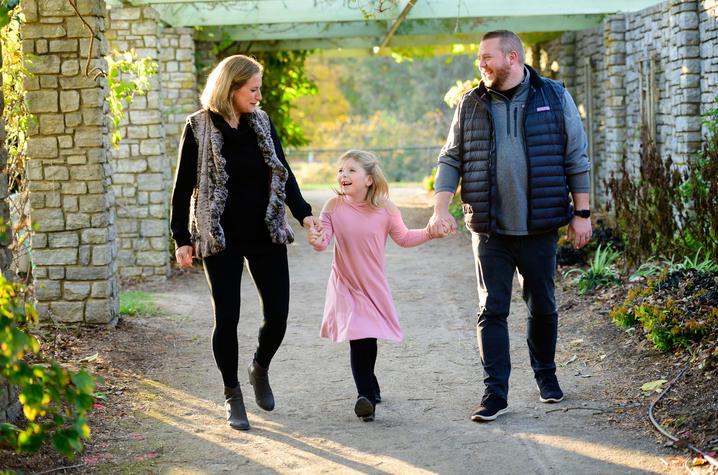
580 230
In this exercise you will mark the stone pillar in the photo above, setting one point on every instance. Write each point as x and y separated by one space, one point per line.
179 86
614 38
708 14
685 71
567 60
72 204
141 166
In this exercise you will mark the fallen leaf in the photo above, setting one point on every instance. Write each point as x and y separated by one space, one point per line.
653 386
90 358
576 342
569 361
698 462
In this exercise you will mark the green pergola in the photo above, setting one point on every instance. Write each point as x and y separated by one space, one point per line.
359 27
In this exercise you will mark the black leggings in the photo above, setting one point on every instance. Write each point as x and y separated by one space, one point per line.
270 273
363 358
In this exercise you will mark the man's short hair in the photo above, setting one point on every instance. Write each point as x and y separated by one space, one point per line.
508 42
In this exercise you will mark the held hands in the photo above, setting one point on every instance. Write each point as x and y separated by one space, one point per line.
315 234
184 256
441 224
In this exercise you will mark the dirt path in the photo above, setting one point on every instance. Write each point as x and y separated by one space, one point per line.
430 382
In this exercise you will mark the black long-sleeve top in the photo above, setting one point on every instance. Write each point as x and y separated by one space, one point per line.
247 185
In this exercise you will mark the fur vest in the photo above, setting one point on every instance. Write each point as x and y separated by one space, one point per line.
210 193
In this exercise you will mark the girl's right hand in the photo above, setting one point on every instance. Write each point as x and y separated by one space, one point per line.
315 236
184 256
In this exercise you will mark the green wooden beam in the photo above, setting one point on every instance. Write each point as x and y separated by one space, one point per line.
334 32
257 12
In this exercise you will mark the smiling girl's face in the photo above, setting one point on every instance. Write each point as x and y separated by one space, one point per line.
353 180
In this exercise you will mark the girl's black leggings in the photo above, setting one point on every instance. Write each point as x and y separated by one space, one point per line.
363 358
270 273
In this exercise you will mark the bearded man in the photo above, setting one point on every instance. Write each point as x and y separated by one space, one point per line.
518 146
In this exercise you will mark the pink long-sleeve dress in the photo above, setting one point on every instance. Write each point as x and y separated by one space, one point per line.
358 301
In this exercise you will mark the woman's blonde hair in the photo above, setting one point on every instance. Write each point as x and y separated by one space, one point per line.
378 193
229 75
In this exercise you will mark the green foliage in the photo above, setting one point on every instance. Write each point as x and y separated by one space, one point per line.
6 11
623 315
700 190
138 304
601 271
17 120
428 181
126 77
701 265
54 400
283 82
679 309
455 208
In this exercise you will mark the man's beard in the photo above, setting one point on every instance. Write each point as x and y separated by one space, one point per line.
500 77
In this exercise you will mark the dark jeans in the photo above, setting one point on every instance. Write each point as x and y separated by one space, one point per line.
270 273
363 359
497 257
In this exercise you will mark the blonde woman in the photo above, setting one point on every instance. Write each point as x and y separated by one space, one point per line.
228 208
358 306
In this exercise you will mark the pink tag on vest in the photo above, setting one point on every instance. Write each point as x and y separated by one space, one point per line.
544 108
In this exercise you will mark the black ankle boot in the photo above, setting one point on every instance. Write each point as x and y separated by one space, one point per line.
259 379
234 405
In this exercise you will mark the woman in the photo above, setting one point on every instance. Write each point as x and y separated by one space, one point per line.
231 186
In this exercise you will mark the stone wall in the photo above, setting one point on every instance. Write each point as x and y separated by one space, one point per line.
179 85
677 40
140 165
69 167
708 32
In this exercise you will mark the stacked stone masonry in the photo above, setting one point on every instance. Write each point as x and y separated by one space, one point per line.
141 169
69 168
179 85
680 39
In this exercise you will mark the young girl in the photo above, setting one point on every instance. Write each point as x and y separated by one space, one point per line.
358 306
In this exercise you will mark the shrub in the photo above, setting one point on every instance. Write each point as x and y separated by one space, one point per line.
678 310
54 400
601 271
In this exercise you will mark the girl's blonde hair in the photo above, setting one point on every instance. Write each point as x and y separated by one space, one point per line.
229 75
378 193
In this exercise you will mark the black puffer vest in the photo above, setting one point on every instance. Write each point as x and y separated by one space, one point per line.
544 136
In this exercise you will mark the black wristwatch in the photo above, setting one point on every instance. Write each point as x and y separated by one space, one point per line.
583 213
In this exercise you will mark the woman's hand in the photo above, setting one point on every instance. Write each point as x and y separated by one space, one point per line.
311 222
184 256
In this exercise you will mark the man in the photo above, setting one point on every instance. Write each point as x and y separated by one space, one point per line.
517 144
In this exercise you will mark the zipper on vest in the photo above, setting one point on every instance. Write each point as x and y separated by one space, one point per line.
508 118
515 122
